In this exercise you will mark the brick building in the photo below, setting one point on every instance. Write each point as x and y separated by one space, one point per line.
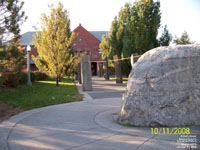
86 42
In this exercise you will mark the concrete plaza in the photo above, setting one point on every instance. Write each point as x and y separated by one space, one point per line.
87 125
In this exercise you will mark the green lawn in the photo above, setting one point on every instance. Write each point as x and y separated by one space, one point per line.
42 93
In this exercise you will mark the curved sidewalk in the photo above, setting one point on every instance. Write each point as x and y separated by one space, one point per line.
86 125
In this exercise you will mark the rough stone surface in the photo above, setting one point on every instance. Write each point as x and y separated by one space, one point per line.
164 88
86 75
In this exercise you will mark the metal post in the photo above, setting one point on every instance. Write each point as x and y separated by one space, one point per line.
28 67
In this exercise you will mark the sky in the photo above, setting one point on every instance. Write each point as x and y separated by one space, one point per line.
97 15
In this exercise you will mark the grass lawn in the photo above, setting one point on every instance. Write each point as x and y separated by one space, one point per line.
40 94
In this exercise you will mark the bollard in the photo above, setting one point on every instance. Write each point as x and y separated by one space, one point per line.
86 74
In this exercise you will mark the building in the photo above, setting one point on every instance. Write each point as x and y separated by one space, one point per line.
85 42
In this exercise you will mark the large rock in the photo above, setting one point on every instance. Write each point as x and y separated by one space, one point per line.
164 88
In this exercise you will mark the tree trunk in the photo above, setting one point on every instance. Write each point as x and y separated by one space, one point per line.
118 70
105 66
57 80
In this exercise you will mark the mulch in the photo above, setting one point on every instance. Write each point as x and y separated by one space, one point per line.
7 111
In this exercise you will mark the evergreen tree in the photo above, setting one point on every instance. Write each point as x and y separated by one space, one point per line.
143 26
140 33
184 39
134 30
11 18
54 43
11 64
115 38
165 38
128 38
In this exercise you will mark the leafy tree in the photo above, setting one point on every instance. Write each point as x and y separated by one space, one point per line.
115 38
143 25
54 43
11 18
11 64
72 64
105 46
133 31
184 39
165 38
140 33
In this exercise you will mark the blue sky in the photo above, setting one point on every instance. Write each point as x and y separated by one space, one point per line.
97 15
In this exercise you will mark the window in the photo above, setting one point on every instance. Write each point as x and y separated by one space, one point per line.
74 44
80 39
100 51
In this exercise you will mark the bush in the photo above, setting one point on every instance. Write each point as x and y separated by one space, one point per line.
23 79
35 76
41 76
11 80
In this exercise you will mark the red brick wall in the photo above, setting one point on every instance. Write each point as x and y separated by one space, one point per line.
86 42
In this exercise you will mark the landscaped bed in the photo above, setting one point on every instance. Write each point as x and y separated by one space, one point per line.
40 94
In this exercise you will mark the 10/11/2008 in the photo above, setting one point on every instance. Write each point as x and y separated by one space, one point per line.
170 131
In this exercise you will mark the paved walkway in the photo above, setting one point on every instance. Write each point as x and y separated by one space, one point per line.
86 125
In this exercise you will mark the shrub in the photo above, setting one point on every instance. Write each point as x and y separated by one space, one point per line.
23 78
41 76
35 76
11 79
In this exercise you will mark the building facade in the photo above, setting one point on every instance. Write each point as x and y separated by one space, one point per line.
86 42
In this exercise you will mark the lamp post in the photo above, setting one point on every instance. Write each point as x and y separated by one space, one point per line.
28 48
99 65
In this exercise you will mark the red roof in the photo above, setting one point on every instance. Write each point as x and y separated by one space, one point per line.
85 41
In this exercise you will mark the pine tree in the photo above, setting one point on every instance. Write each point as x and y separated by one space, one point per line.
11 64
184 39
115 39
54 43
143 25
141 29
128 38
165 38
11 18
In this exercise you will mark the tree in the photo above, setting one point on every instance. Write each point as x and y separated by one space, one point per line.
143 25
11 18
141 29
11 64
165 38
105 47
54 43
184 39
116 45
133 31
115 38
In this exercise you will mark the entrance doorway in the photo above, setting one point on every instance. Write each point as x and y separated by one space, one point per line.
94 68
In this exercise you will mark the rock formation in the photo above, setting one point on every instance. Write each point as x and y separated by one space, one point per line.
164 88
